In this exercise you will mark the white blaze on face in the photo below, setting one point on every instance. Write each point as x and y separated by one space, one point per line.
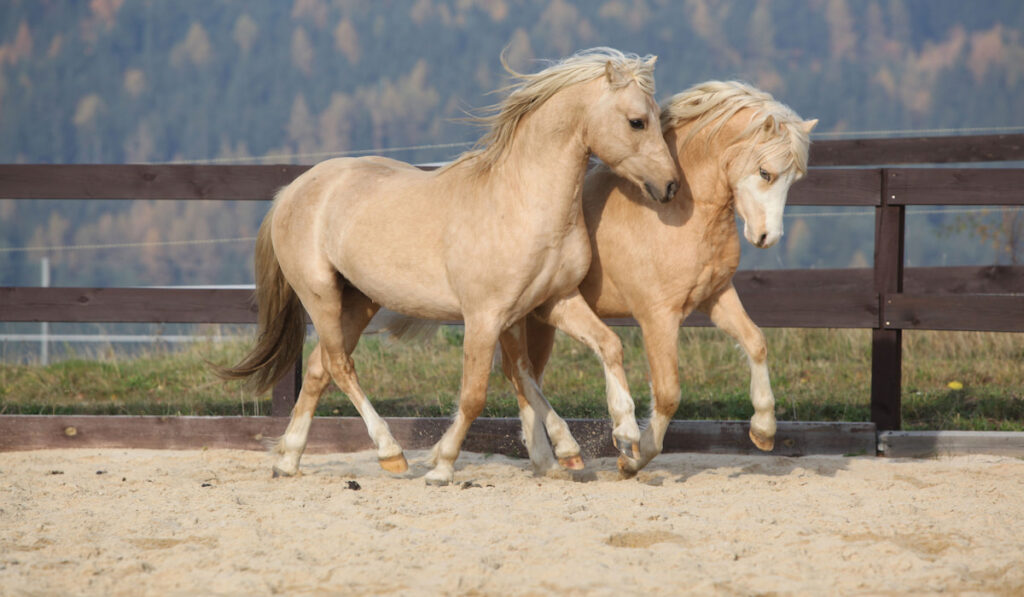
761 203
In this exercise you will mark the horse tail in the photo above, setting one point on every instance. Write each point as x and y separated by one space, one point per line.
282 321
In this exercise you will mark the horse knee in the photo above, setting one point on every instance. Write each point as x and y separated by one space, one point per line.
760 352
611 349
758 348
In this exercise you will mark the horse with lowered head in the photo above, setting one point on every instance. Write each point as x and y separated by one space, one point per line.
490 237
739 151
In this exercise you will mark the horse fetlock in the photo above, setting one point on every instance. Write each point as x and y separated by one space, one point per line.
441 475
627 431
762 431
566 447
542 463
286 467
388 448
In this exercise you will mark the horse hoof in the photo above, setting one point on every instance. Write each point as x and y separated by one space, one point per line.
280 473
573 463
765 444
627 449
394 464
628 467
437 482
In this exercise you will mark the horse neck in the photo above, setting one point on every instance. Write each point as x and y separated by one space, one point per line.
703 166
546 160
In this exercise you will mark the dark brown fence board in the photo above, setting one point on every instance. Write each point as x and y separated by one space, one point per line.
141 181
986 313
839 186
992 279
803 280
956 186
797 310
976 279
157 305
917 150
813 309
348 434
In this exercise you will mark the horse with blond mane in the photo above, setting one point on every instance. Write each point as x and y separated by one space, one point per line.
490 237
739 151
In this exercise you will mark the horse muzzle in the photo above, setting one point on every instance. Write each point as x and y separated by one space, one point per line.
659 196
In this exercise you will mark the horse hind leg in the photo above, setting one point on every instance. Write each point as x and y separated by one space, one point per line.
290 446
339 331
356 315
540 338
539 420
572 315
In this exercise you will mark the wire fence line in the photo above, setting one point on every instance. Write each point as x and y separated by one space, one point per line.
319 155
850 213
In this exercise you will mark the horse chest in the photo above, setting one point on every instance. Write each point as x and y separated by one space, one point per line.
563 266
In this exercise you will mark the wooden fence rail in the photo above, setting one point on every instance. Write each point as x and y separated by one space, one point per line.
886 298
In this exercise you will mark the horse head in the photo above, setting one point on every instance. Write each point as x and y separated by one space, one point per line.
760 177
759 145
621 129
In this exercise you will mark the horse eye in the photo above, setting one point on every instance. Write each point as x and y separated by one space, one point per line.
765 175
636 123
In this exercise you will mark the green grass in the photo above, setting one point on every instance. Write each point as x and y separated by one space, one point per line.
821 375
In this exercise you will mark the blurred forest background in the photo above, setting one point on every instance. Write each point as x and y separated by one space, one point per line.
245 81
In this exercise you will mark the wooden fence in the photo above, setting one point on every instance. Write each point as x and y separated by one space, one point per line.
886 298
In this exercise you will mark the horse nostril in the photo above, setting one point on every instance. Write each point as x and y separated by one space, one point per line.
650 190
670 191
761 241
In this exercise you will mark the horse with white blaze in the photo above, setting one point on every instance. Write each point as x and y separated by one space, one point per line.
739 151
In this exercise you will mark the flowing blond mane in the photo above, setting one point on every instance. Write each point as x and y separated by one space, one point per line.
718 101
532 90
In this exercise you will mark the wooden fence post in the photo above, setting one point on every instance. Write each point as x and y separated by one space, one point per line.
887 342
286 392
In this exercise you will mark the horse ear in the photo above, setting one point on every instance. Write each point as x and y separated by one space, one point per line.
614 74
651 60
769 124
808 125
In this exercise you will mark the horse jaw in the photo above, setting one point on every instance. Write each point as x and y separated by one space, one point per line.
761 208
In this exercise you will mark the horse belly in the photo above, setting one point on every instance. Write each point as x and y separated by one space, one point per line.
395 257
406 278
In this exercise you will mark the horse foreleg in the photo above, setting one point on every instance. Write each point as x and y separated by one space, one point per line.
727 313
573 315
661 336
539 420
478 353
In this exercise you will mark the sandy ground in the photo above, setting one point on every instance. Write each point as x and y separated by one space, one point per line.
137 522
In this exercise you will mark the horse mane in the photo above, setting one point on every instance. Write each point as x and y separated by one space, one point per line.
531 90
717 101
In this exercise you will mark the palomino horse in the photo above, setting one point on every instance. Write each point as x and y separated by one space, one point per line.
739 151
488 238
